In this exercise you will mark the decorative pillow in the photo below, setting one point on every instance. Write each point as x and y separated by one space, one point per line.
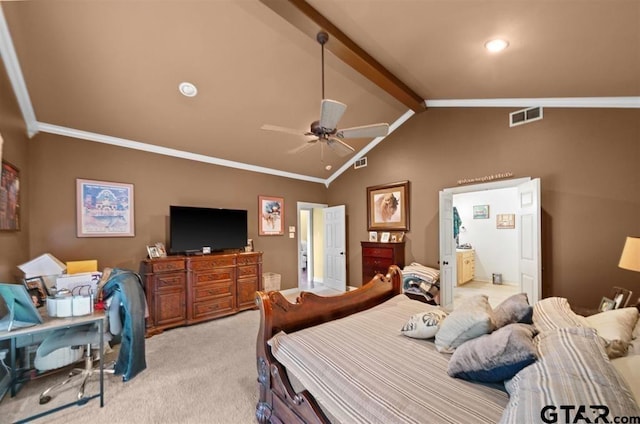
634 347
617 324
615 327
471 319
495 357
424 325
513 309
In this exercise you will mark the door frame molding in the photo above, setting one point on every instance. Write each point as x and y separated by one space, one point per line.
492 185
310 263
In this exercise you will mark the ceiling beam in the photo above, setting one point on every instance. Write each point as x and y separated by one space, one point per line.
303 16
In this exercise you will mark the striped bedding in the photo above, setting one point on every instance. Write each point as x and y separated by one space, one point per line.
573 371
362 370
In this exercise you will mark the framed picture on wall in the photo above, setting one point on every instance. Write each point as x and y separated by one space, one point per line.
270 216
481 212
388 207
10 198
104 209
505 220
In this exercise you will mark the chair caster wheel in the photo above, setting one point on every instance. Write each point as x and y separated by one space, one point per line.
44 399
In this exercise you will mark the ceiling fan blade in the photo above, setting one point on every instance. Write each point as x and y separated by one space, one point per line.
303 147
365 131
284 130
330 113
339 146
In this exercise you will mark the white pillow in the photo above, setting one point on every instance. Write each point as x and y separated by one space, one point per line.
471 319
634 347
424 325
616 324
629 369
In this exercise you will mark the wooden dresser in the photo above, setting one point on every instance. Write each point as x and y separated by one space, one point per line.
183 290
466 265
378 257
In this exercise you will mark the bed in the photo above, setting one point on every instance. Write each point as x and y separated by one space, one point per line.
360 369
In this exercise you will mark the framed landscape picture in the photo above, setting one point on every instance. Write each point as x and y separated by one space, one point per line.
388 207
104 209
270 216
481 212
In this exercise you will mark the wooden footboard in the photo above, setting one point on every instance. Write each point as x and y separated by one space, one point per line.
278 402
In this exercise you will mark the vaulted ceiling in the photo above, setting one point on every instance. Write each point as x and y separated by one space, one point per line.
108 71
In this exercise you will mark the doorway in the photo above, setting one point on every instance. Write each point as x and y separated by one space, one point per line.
310 242
526 213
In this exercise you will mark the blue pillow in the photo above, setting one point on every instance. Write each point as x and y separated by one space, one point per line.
495 357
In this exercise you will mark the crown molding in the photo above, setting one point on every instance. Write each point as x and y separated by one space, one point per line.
12 65
136 145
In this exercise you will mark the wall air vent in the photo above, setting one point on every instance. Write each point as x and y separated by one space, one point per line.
360 163
525 116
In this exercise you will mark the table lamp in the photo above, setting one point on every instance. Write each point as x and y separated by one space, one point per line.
630 258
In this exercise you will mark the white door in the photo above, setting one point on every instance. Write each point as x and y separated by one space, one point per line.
528 224
335 264
447 251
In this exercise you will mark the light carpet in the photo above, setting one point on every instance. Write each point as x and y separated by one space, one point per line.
204 373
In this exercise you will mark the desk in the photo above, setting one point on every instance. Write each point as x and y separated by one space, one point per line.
49 325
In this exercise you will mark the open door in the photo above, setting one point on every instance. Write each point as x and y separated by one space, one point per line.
447 251
527 226
529 244
335 264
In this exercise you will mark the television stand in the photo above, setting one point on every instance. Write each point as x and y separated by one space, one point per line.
187 289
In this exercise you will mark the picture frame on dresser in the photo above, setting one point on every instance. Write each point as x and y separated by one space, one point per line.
388 207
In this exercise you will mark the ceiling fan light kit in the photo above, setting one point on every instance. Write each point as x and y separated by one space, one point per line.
326 128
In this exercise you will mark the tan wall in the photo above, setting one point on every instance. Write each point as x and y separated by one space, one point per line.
159 181
14 245
587 161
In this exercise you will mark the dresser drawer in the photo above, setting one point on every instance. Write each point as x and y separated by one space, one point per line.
247 271
213 307
168 265
212 290
213 262
377 252
248 258
219 275
170 281
385 263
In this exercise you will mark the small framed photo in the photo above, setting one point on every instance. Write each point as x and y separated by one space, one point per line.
394 238
481 212
37 290
373 236
399 236
385 237
153 252
505 220
606 304
162 251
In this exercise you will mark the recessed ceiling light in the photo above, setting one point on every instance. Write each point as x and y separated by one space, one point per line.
496 45
328 167
188 89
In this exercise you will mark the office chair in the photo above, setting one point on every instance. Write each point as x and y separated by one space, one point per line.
66 346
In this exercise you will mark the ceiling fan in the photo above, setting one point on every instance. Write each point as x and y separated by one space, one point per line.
325 129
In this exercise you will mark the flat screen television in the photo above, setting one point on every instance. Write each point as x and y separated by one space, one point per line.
192 229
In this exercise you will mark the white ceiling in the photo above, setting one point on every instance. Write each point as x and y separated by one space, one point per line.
109 71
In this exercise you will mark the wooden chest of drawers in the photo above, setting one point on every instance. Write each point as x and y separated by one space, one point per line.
377 257
185 290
